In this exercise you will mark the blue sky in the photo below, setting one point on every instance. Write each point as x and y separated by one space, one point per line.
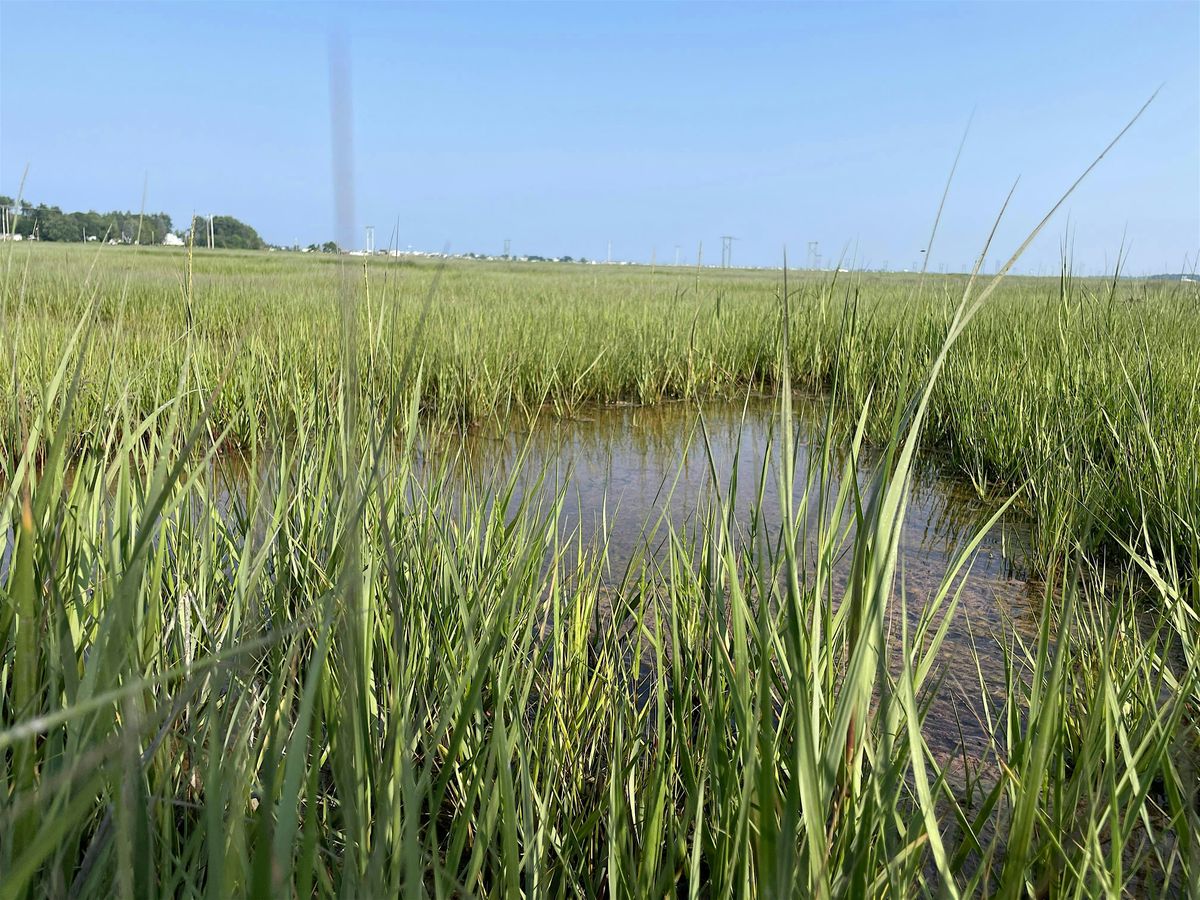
563 127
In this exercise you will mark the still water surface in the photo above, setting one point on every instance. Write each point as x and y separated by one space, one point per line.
625 471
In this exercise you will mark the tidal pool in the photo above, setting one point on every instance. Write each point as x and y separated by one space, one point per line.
625 472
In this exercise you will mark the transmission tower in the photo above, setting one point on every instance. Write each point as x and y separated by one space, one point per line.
814 254
727 250
370 243
507 247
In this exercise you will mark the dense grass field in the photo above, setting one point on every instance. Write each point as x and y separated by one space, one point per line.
1081 395
327 684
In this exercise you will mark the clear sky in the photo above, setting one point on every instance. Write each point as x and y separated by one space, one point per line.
565 126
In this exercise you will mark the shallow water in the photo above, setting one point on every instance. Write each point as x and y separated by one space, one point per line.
625 472
622 469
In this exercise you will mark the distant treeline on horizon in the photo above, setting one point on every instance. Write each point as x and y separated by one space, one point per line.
50 223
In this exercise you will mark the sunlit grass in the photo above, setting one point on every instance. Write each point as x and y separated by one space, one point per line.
355 675
1083 393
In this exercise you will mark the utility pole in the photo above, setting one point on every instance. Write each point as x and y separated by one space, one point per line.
727 250
370 248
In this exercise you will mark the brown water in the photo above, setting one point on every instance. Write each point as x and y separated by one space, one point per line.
625 472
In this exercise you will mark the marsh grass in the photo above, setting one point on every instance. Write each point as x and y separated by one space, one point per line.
361 677
1079 393
195 707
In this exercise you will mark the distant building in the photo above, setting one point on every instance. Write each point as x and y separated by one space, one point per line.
172 240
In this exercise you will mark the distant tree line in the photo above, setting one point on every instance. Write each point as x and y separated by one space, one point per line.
327 247
49 223
227 233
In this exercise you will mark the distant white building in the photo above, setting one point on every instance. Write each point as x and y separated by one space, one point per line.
172 240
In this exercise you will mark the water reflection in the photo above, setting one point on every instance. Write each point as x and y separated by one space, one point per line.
623 468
